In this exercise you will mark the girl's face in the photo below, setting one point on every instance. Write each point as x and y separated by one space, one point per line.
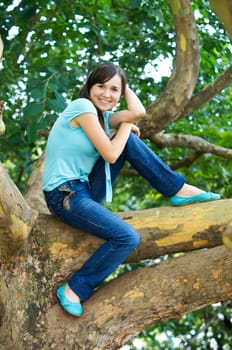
106 95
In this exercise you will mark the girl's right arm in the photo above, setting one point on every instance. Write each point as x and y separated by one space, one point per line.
135 110
110 150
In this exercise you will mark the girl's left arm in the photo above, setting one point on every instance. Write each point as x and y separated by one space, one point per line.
135 110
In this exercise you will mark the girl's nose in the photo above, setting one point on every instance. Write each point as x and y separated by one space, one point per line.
106 93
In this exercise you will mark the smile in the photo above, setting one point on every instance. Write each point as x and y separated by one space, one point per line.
105 102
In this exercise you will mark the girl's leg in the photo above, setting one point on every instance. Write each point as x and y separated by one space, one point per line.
72 203
160 176
146 162
153 169
97 182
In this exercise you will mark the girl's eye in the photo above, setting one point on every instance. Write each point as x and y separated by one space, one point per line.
115 89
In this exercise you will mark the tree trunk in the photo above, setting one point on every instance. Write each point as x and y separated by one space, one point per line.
31 318
181 84
16 217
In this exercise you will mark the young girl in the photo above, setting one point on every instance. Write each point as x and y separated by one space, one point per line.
82 162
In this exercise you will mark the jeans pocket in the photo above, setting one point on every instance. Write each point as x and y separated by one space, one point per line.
58 200
54 200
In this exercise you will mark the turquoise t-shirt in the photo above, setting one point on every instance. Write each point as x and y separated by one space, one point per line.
70 155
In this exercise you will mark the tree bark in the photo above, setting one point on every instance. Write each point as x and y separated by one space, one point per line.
149 128
196 143
16 217
223 10
206 94
165 230
33 194
181 84
30 316
118 310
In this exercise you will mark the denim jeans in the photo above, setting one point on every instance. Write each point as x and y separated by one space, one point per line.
79 204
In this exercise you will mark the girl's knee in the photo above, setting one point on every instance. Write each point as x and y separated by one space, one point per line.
134 239
126 236
137 239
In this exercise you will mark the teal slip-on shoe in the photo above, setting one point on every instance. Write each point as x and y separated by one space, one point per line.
71 307
202 197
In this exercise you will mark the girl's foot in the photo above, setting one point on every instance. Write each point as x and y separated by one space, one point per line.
190 194
72 307
189 191
71 295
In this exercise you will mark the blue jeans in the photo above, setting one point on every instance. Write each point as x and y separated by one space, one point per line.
79 204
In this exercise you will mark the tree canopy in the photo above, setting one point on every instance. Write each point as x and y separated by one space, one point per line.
177 57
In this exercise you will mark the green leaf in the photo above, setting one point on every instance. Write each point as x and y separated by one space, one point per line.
60 100
33 109
28 12
134 4
39 91
55 105
31 132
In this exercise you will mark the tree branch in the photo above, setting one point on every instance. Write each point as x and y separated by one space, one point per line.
182 82
189 141
204 95
147 296
16 217
33 193
164 230
186 162
227 235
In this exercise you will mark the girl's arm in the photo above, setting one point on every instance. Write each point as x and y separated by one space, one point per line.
110 150
135 110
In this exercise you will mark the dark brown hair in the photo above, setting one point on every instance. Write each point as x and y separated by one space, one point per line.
102 73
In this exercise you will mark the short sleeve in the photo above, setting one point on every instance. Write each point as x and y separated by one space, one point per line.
78 107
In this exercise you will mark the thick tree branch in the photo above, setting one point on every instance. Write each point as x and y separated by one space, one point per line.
189 141
130 303
211 90
33 194
16 217
201 146
164 230
227 235
182 82
146 296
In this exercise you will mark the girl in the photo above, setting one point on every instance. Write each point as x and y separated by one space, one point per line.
82 162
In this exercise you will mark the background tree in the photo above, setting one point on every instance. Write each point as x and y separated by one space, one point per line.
49 46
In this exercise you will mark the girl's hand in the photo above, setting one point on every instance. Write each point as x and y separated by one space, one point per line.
135 130
135 111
